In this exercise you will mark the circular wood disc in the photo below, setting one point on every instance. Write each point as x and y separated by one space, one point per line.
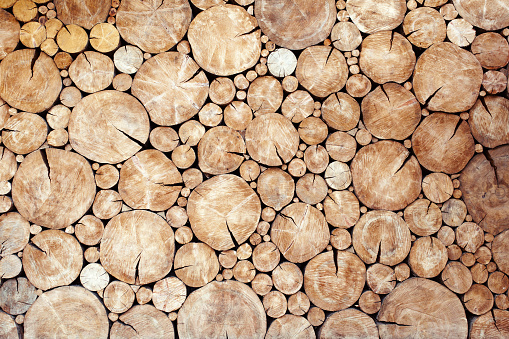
350 323
443 143
490 325
489 17
155 26
341 209
345 36
391 112
428 257
332 283
169 294
24 133
423 217
290 326
422 307
340 111
29 81
228 31
424 27
457 277
223 211
221 150
92 71
491 49
9 38
447 78
485 191
387 56
171 87
14 233
137 247
373 16
381 236
108 126
17 295
68 311
271 139
500 250
297 106
296 24
143 321
265 95
300 232
489 121
322 70
52 258
276 188
53 188
222 308
85 13
149 180
8 328
386 176
196 264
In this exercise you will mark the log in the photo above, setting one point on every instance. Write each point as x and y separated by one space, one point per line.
32 34
380 167
266 256
58 137
221 150
144 295
313 130
106 176
457 277
218 307
437 187
235 37
122 82
137 247
300 232
488 121
244 271
235 213
490 325
118 297
171 87
107 204
72 39
191 132
332 283
287 278
346 36
26 87
443 143
10 266
61 268
424 27
460 32
265 95
381 236
432 311
58 117
196 264
45 317
276 188
261 284
423 217
70 96
290 326
89 230
498 282
447 78
317 161
454 212
371 17
24 10
500 252
369 302
380 278
238 115
322 70
8 328
94 277
349 323
278 136
14 233
17 295
298 304
92 71
275 304
149 180
478 300
391 112
108 126
387 56
341 112
222 91
490 19
358 85
169 294
341 146
128 59
469 236
428 257
491 50
297 25
104 37
10 33
337 174
183 235
446 236
142 320
204 4
281 62
341 209
83 13
494 82
183 156
68 188
485 189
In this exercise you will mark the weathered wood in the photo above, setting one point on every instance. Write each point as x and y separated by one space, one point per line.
457 277
349 323
341 146
32 34
447 78
317 161
340 111
469 236
332 283
387 56
313 130
94 277
287 278
424 27
118 297
275 304
234 36
300 232
341 209
290 326
298 303
485 189
443 143
47 317
276 188
371 17
281 62
498 282
322 70
53 188
128 59
460 32
83 13
137 247
369 302
223 211
107 204
422 307
222 307
221 150
345 36
428 257
72 39
17 295
171 87
379 168
10 266
265 95
196 264
108 126
92 71
142 320
391 112
89 230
